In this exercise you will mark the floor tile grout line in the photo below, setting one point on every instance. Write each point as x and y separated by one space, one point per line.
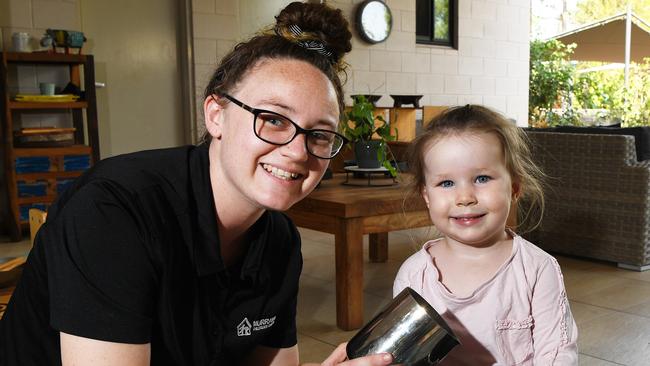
611 309
316 339
602 359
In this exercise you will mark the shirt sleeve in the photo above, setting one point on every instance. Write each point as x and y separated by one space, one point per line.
410 274
555 333
284 332
401 282
101 279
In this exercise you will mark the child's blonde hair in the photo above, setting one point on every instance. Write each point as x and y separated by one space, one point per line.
517 155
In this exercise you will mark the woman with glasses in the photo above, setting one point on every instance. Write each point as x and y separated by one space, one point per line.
182 256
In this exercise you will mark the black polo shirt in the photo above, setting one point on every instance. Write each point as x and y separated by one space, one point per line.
130 254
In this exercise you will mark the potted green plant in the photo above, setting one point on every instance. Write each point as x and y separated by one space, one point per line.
359 127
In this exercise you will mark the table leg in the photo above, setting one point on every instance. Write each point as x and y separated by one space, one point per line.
378 247
349 274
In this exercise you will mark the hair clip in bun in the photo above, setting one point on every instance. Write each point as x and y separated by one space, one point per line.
311 44
295 30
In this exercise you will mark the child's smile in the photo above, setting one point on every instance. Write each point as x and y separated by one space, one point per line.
468 219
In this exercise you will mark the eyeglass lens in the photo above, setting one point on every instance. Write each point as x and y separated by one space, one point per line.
277 129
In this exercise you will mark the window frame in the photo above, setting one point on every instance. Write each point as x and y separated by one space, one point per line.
453 26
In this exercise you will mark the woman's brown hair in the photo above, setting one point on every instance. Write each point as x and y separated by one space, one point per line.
310 32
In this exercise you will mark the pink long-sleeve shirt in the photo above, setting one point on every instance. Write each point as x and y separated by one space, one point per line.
520 316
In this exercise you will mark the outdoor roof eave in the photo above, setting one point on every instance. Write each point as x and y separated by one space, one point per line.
600 41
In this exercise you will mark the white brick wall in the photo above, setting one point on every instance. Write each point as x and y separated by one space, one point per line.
400 83
416 62
381 60
490 67
216 27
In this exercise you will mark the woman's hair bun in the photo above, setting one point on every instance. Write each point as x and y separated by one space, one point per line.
316 22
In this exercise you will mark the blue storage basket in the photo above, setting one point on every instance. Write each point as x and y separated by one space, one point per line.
76 162
32 189
32 164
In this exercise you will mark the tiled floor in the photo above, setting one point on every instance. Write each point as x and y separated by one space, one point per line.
611 306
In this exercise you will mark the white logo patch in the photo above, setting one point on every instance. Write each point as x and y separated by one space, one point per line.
245 328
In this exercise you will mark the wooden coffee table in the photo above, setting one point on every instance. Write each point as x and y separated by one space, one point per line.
349 212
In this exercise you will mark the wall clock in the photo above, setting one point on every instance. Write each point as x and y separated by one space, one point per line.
374 21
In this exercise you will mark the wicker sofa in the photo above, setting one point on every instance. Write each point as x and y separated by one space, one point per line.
598 196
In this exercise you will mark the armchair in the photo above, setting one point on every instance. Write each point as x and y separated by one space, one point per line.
597 197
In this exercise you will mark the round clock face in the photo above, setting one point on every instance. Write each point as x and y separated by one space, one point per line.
374 21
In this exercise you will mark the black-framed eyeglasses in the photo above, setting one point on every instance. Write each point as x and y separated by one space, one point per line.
276 129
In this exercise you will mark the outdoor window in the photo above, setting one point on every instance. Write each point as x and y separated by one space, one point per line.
436 22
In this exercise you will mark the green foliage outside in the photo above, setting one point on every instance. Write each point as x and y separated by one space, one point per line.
551 76
635 108
592 10
441 20
559 91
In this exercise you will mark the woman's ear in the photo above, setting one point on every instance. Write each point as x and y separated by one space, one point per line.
213 112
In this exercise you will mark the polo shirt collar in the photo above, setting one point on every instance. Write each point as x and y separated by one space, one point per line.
206 248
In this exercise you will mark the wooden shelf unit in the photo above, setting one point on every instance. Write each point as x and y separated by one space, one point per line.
48 105
62 162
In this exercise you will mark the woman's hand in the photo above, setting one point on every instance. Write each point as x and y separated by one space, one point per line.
339 357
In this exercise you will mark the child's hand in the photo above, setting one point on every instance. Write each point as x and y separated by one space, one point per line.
339 357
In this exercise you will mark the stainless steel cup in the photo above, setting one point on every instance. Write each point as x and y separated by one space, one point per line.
409 329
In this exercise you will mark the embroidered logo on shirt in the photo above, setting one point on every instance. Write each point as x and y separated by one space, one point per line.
245 328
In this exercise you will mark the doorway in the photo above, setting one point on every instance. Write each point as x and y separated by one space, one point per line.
136 49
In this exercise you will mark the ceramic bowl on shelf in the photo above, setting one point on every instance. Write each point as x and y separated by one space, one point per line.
400 100
372 98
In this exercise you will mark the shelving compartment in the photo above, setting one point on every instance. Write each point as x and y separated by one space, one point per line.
40 165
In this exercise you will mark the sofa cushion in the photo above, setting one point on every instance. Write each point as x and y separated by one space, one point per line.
641 136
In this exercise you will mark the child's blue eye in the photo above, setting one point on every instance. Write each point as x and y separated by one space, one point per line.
446 184
483 179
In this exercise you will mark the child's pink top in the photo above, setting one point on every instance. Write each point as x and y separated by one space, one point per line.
520 316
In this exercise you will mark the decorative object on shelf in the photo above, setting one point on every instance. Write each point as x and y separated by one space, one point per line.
47 88
20 42
399 100
74 89
46 41
359 126
63 38
374 21
44 137
57 98
372 98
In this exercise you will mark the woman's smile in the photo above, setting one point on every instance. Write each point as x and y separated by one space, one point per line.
280 173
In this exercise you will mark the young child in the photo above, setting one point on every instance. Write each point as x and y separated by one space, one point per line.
502 296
